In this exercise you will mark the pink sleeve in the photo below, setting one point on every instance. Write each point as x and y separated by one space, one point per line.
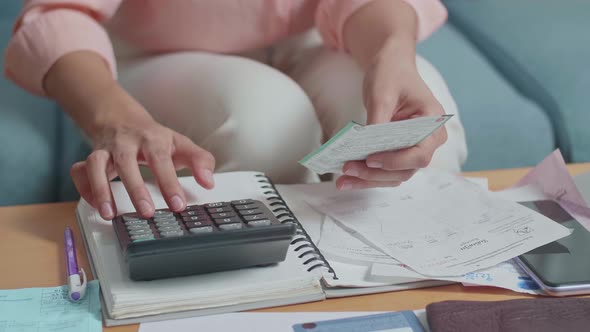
50 29
332 14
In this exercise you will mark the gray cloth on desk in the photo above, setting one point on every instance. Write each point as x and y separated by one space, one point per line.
539 315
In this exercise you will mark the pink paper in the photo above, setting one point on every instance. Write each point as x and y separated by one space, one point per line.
552 176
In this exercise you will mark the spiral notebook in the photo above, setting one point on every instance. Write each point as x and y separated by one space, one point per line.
305 275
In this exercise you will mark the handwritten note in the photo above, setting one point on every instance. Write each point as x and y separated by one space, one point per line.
48 309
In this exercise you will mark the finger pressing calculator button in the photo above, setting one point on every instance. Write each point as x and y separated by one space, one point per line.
259 222
246 207
203 217
201 230
250 212
140 231
192 224
242 202
141 237
229 220
219 209
254 217
169 228
136 222
226 227
166 223
172 233
223 215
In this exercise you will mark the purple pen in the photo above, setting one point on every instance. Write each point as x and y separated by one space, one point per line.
76 285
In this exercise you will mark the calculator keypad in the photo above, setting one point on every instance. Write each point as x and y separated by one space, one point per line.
198 219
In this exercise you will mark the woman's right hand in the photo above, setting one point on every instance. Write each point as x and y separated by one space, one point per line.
124 136
127 137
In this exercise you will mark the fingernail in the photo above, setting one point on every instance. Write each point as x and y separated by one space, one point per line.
208 176
374 164
351 172
346 186
144 207
176 203
106 210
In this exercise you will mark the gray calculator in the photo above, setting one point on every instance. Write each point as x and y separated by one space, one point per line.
206 238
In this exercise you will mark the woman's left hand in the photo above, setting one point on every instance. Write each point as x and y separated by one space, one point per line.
393 90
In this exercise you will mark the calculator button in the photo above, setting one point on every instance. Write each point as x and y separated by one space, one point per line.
132 227
140 231
216 205
166 223
169 229
226 227
246 207
136 222
227 220
223 215
259 222
192 213
254 217
131 217
163 213
164 219
201 230
194 207
172 233
250 212
242 202
219 209
192 224
196 218
141 237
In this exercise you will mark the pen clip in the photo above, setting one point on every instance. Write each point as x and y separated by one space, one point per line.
77 285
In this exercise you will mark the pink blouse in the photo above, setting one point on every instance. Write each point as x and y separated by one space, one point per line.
48 29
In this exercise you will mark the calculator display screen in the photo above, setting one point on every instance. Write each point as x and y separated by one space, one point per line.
565 261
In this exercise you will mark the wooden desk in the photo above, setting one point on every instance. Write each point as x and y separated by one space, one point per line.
31 255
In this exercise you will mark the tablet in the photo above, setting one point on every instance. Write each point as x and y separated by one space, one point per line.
561 267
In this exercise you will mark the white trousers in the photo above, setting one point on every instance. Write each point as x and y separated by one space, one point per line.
266 110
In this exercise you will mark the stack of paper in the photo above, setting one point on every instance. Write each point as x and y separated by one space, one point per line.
441 226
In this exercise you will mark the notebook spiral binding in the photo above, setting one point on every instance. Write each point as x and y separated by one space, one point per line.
313 257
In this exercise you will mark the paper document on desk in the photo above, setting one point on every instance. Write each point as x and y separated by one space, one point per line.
338 243
505 275
440 224
48 309
357 142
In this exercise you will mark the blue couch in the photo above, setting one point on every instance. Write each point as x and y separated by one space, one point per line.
517 69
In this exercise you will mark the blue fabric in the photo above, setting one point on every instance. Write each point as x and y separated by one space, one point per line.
543 48
502 126
29 141
9 9
73 148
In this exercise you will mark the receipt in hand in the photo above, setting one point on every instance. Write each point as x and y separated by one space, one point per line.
357 142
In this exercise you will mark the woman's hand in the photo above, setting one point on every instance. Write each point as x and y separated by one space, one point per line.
381 36
124 136
130 137
393 90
